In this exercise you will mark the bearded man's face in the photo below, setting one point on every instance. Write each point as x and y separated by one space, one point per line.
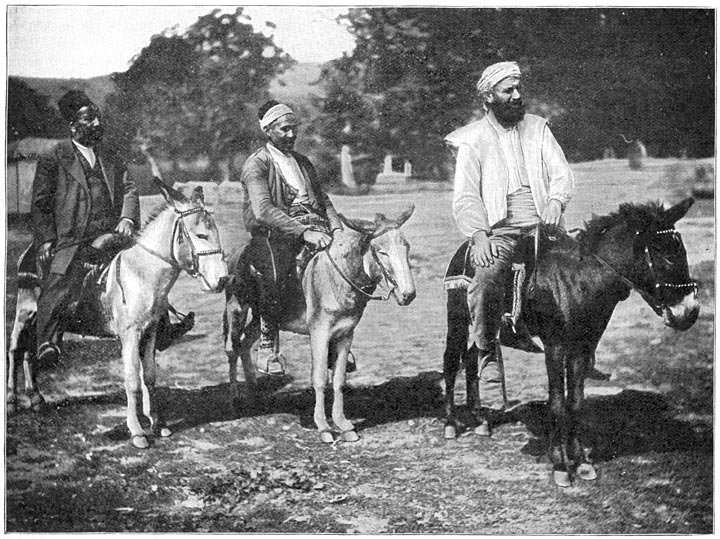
87 129
506 102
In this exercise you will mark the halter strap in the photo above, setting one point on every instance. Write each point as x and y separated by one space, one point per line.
193 270
647 296
354 286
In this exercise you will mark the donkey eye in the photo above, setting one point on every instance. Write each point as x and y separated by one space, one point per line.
202 236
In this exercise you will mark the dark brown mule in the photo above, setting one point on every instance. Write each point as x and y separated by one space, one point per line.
574 292
337 285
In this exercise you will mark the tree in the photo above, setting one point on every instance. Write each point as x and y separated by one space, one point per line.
596 74
29 113
194 95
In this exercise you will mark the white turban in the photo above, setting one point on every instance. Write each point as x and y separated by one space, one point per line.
495 73
273 113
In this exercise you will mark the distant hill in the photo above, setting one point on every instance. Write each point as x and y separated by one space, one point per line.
294 86
97 88
297 83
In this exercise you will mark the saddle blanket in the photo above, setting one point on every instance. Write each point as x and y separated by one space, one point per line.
460 270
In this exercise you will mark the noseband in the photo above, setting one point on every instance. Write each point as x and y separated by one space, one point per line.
649 296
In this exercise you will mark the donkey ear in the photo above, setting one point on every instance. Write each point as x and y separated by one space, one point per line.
405 215
678 211
358 225
198 196
169 194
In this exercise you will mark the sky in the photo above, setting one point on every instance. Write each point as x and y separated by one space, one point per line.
62 41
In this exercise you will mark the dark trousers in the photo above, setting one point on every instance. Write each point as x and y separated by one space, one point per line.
274 260
485 293
57 293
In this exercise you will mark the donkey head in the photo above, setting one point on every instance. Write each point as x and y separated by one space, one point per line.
196 240
658 267
389 252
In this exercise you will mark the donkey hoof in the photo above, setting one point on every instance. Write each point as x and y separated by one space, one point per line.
350 436
326 437
449 432
140 441
483 429
561 478
165 432
586 471
37 402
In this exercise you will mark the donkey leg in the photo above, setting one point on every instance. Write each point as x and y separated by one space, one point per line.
37 401
130 340
347 429
234 327
580 453
554 363
455 348
319 343
152 405
12 368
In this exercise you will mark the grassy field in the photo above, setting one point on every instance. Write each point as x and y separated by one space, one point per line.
262 469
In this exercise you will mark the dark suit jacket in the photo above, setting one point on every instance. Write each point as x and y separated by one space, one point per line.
267 197
61 199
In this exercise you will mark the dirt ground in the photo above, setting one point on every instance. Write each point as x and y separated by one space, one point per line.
260 467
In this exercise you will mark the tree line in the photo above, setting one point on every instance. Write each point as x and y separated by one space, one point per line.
602 76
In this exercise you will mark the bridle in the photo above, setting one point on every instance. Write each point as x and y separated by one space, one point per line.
658 285
180 231
362 290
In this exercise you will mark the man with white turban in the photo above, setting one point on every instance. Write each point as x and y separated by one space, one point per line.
284 208
510 175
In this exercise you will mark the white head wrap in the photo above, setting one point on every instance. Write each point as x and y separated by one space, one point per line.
274 113
495 73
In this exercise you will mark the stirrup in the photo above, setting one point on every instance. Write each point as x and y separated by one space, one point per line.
351 365
272 363
48 354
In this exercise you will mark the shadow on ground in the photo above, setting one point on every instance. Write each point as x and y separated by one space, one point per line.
629 423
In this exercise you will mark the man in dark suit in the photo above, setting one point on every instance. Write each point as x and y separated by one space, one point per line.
80 192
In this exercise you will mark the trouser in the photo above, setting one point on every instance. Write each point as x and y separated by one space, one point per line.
58 291
485 292
274 262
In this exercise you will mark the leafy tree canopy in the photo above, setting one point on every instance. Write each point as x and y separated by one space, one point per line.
194 95
596 74
29 114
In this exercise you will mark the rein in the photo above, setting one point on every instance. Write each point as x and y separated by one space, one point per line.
648 296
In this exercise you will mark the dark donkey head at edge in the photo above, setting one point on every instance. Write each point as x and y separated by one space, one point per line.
641 244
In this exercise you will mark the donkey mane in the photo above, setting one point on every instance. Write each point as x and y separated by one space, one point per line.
637 217
154 214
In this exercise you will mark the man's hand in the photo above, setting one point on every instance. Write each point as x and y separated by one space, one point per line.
552 213
45 253
124 227
483 250
316 238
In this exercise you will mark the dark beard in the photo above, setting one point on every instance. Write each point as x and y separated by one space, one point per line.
508 114
90 136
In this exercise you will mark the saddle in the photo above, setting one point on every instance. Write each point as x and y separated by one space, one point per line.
86 315
519 286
